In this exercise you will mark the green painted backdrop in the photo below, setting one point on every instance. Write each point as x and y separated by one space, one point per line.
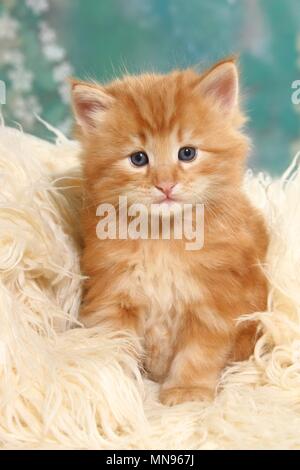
44 41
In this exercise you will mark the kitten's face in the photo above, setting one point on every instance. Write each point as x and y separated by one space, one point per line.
162 138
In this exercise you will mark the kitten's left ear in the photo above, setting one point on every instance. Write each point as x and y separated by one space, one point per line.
221 83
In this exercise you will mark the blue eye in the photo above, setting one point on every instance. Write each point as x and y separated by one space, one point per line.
139 159
187 154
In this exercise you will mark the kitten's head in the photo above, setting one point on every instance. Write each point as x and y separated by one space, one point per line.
157 138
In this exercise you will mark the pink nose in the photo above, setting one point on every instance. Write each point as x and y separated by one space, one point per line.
166 187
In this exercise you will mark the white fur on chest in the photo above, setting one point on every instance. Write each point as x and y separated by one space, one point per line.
165 286
164 279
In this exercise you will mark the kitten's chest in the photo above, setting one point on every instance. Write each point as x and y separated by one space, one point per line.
164 284
162 279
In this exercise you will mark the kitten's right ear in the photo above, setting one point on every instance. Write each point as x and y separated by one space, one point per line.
90 102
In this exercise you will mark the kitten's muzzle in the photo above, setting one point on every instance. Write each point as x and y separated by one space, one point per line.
166 188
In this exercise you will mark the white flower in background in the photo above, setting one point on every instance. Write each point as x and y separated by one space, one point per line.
25 109
64 92
46 34
53 52
62 71
38 6
8 27
21 79
12 57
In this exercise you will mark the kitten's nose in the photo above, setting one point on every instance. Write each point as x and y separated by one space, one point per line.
166 187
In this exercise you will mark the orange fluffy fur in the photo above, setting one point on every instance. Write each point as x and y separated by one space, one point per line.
183 305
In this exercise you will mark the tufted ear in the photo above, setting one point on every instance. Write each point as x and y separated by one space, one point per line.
221 83
90 102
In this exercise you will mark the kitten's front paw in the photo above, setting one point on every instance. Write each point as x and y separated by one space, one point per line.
174 396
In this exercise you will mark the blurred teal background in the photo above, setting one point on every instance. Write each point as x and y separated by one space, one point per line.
44 41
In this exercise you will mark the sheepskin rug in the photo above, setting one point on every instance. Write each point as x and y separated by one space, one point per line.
76 388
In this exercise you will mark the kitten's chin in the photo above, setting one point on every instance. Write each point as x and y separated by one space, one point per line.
167 200
166 207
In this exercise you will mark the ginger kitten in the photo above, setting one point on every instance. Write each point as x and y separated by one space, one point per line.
175 137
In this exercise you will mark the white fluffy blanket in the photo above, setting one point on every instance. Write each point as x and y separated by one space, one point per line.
81 388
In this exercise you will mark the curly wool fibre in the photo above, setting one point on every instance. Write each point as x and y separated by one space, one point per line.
63 387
